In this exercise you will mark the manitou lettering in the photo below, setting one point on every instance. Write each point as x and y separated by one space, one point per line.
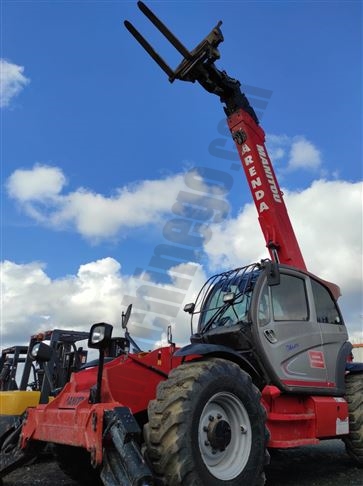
270 178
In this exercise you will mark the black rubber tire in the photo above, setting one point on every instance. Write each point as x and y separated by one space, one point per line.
177 444
354 396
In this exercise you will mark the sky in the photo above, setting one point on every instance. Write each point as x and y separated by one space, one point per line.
101 158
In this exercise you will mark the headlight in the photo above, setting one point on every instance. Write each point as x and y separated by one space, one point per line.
100 335
35 350
40 352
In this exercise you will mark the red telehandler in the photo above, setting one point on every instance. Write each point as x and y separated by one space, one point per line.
269 365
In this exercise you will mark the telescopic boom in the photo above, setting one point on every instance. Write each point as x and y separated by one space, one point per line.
199 65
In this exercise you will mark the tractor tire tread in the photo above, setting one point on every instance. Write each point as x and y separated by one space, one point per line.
354 396
166 449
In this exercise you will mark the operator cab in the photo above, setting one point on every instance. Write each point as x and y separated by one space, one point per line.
285 318
222 308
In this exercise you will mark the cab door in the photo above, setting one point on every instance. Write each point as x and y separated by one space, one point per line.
336 347
288 334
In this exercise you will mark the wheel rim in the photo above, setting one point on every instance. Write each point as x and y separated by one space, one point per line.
225 436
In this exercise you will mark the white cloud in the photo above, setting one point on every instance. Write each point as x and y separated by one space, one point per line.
95 216
328 222
277 146
37 184
296 152
304 155
12 81
32 301
234 242
327 218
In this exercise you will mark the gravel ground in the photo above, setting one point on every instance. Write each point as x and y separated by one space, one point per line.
326 464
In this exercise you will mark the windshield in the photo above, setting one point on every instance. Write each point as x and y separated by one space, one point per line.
214 312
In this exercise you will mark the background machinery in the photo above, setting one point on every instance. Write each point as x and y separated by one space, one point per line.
268 366
27 380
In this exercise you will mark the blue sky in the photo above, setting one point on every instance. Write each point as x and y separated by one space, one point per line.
96 143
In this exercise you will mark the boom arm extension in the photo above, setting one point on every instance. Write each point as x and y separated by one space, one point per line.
198 65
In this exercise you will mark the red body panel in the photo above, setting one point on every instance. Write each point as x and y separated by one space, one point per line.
71 419
133 384
300 420
268 198
80 426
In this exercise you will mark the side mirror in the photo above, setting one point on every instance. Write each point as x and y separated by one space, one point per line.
126 316
40 352
272 273
100 336
189 308
229 297
170 336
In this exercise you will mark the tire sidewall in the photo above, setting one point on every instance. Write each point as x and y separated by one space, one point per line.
243 390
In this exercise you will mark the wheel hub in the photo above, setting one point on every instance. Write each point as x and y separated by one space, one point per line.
219 434
224 436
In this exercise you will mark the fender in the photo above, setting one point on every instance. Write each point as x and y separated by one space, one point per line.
220 351
341 366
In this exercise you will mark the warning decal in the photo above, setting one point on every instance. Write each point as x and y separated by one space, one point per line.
316 359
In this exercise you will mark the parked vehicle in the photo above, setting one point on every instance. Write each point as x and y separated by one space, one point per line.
268 366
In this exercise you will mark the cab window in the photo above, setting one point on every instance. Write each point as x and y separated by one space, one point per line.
288 299
326 309
231 314
264 307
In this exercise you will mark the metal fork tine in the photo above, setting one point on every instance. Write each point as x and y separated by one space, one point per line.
164 30
148 48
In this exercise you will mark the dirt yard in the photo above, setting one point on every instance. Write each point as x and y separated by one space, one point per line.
324 465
